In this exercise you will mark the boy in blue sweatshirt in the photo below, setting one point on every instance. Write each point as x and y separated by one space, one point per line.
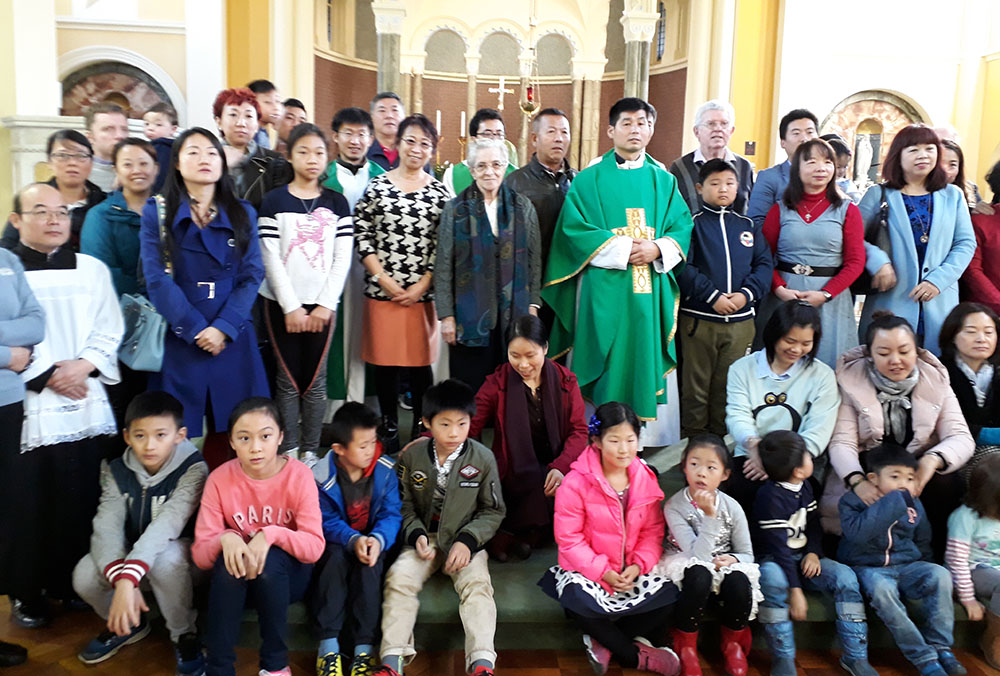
728 271
359 497
888 545
142 535
787 543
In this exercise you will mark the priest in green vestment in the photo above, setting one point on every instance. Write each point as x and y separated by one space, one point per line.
623 230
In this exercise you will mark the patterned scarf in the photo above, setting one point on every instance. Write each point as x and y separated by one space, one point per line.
894 397
491 280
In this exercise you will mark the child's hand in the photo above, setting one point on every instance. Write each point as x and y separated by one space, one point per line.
724 305
811 566
297 321
705 501
631 573
724 561
615 581
424 549
367 549
374 549
798 607
974 609
319 318
235 554
738 298
257 555
458 558
127 606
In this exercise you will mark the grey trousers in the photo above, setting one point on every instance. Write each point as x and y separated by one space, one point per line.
171 578
986 581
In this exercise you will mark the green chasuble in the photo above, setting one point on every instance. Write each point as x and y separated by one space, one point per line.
461 176
619 323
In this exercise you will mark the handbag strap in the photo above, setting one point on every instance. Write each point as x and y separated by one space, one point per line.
161 217
883 209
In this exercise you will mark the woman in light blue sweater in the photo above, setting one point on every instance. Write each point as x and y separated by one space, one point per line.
22 325
782 387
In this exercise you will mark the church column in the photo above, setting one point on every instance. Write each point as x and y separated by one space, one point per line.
588 72
292 62
412 66
418 93
472 69
389 15
574 122
639 22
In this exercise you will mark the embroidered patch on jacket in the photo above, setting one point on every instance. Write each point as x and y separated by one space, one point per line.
419 480
746 239
469 471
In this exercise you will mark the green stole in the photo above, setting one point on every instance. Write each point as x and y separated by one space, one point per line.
333 183
625 346
461 176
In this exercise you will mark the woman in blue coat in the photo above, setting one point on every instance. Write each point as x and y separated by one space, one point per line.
202 275
930 232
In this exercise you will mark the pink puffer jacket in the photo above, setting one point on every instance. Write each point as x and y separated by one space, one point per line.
594 533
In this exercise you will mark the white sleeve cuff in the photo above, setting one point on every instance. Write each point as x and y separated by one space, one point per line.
615 255
670 255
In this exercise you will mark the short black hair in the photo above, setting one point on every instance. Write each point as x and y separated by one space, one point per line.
352 115
301 130
353 415
385 95
993 180
67 135
255 404
449 395
610 414
166 109
787 316
294 103
481 116
839 145
889 455
420 121
530 328
138 143
154 403
883 320
781 453
716 165
791 116
261 86
546 112
706 440
630 104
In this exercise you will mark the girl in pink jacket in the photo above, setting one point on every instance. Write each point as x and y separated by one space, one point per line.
609 527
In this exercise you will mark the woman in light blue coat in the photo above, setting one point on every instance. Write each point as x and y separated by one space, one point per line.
930 232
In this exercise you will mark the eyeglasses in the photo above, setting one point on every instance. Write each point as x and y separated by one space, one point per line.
410 141
498 134
66 157
713 126
350 136
44 214
483 166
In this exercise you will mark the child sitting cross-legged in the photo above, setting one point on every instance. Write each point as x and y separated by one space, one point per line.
142 535
451 508
787 541
888 543
359 498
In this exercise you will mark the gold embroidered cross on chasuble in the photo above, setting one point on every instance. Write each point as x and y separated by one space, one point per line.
636 228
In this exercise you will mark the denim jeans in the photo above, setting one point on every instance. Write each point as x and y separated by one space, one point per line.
836 580
927 583
283 582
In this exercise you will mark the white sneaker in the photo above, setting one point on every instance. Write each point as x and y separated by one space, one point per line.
309 458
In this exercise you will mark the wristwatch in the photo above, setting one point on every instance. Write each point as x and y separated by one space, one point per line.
827 295
375 277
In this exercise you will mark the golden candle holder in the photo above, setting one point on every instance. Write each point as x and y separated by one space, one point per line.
463 141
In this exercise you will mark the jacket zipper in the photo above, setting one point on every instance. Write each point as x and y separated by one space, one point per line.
725 244
142 507
888 548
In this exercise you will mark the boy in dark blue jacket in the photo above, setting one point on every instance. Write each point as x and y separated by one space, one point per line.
359 497
728 271
888 545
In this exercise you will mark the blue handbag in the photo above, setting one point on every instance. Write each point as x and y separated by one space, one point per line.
142 346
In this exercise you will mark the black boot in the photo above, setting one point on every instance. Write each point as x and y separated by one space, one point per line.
417 430
388 434
12 655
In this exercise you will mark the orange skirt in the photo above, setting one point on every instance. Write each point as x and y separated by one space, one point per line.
399 336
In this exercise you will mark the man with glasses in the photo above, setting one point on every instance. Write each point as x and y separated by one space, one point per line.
486 123
714 124
349 174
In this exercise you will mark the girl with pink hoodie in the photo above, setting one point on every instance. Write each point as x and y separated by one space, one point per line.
609 527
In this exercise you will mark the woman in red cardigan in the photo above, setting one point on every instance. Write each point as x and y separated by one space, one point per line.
981 281
536 410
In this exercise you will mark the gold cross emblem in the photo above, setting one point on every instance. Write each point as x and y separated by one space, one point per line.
636 228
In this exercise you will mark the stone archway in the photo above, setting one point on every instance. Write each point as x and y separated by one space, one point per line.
130 87
870 118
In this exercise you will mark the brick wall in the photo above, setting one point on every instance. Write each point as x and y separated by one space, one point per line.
339 86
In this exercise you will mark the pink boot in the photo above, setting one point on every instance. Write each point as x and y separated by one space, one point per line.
598 656
661 661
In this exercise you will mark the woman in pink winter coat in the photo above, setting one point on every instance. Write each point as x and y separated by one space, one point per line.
609 527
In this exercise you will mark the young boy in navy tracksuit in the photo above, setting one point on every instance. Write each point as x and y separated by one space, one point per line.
888 543
728 271
359 498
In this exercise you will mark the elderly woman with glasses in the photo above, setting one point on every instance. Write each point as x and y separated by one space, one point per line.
488 268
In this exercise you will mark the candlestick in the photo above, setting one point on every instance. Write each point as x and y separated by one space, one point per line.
437 121
461 130
462 141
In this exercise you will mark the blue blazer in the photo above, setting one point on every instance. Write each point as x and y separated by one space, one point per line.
213 284
952 243
767 190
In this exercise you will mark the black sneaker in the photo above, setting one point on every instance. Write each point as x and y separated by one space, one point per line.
30 614
12 654
388 434
108 643
190 659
